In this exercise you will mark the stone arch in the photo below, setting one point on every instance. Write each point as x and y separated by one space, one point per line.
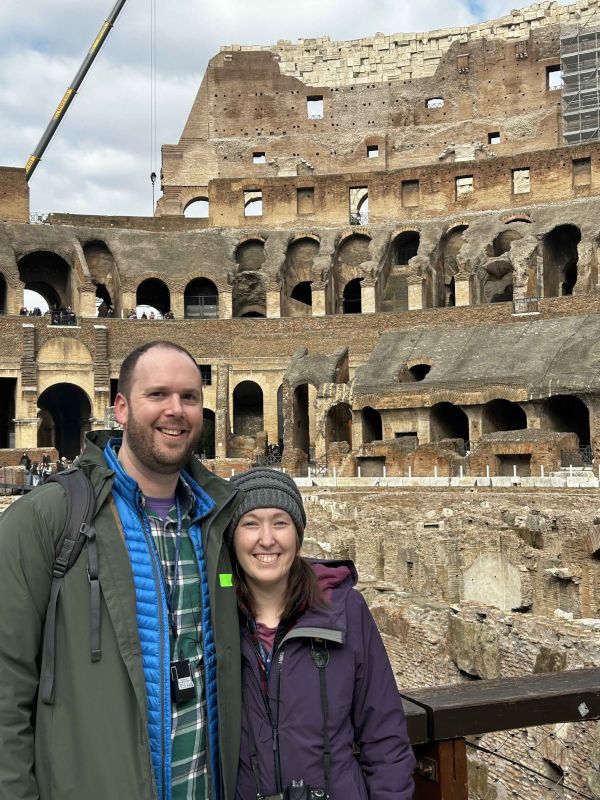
201 299
560 257
248 417
372 426
197 208
448 421
568 413
48 274
154 293
353 250
502 415
64 418
250 254
503 241
449 247
296 286
101 265
404 247
338 424
497 281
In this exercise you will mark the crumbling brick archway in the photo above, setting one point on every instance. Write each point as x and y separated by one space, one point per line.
296 284
502 415
560 257
49 275
448 421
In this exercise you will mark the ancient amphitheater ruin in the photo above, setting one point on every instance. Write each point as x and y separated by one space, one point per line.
384 255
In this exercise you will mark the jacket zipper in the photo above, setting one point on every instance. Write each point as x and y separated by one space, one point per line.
158 584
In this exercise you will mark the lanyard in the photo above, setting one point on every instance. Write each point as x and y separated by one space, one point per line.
170 595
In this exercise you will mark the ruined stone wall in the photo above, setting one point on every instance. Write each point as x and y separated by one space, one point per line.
401 56
480 585
14 195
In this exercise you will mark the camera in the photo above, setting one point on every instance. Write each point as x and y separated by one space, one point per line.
298 790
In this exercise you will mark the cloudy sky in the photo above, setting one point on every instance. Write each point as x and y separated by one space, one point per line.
100 160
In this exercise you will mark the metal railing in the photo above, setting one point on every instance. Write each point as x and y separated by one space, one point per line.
272 457
526 305
38 218
582 456
203 306
63 317
359 218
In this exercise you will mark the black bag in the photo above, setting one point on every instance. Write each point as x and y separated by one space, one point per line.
78 529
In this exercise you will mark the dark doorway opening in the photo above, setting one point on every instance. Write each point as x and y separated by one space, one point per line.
351 301
569 414
372 428
502 415
206 445
65 418
8 390
448 421
155 294
247 409
338 427
201 299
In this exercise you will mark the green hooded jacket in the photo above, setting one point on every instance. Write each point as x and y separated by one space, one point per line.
92 742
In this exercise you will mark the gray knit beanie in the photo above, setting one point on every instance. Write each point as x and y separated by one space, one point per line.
267 488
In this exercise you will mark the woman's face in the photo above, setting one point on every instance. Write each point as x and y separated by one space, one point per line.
265 544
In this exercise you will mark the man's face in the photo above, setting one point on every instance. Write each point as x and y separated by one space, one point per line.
162 418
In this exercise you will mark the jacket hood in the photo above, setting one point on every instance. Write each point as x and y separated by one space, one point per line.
337 579
331 574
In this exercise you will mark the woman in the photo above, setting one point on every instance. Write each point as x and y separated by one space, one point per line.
311 655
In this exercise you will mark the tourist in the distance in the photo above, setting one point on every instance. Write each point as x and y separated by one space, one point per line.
295 614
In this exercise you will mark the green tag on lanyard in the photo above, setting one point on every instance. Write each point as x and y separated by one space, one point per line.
225 579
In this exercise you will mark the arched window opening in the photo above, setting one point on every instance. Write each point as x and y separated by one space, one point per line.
64 419
405 247
247 409
503 241
569 414
197 209
206 445
351 301
502 415
302 293
418 372
253 313
447 421
250 255
8 392
372 427
154 294
48 275
104 306
450 246
201 299
560 258
338 425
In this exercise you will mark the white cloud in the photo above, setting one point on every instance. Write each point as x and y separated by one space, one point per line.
100 159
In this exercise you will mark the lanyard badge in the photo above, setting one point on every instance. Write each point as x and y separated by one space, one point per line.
182 683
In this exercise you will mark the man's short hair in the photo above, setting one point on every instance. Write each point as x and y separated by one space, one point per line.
129 364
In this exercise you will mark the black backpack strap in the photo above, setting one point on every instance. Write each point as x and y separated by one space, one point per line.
320 655
78 529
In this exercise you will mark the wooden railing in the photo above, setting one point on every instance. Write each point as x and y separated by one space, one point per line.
440 718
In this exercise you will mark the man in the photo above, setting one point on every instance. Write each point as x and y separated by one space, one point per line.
158 716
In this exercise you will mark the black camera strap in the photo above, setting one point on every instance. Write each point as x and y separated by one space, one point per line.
320 656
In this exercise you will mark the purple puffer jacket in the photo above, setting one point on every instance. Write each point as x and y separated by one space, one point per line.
364 704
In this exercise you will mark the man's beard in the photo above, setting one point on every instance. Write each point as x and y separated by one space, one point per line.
140 442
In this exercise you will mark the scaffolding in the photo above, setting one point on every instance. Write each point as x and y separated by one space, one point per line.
580 65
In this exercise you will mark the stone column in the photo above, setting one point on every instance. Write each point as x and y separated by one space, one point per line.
225 304
274 303
463 289
416 288
178 304
367 296
128 302
87 301
319 302
222 426
357 431
474 415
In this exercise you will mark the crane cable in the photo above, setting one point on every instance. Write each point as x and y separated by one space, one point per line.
153 93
